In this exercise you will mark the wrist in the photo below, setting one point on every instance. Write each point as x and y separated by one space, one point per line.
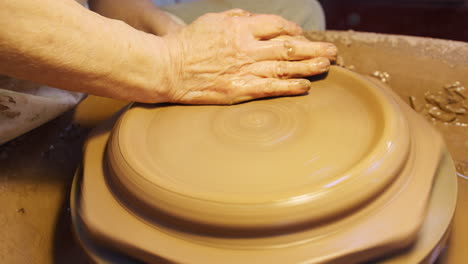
155 66
136 65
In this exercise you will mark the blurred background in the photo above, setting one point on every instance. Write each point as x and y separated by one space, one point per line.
446 19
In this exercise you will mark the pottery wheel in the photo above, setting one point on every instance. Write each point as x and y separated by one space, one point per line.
263 164
341 175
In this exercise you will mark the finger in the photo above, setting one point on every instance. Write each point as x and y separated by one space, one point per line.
270 26
268 87
288 69
291 49
207 97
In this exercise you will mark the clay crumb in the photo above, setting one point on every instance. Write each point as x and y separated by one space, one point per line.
4 107
460 124
11 114
412 103
34 118
8 98
448 105
341 63
456 88
440 115
382 76
21 210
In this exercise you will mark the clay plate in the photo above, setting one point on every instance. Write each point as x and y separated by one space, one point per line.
334 176
263 164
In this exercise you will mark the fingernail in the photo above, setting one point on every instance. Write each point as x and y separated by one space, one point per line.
303 84
322 63
240 99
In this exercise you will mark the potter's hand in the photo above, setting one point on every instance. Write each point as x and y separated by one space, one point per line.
236 56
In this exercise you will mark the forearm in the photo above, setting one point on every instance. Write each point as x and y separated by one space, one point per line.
140 14
61 44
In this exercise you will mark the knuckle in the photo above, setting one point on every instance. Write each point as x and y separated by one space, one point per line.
279 26
268 89
281 70
275 21
288 49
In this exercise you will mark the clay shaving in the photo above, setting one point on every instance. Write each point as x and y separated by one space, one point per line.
447 108
448 105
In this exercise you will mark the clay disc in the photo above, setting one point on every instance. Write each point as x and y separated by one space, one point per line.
261 164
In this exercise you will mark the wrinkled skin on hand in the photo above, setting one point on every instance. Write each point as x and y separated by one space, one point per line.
236 56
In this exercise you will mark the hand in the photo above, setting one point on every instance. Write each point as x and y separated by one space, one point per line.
140 14
236 56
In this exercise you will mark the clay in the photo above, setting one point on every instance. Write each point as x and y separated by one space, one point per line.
411 77
284 148
447 109
382 76
237 183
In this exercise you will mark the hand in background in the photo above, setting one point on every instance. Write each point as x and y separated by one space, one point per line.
140 14
235 56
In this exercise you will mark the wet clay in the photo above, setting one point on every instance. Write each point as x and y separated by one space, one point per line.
447 109
284 157
439 95
332 173
417 66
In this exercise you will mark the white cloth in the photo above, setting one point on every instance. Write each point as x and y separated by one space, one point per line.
25 106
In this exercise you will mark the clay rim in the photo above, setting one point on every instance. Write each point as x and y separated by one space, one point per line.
388 155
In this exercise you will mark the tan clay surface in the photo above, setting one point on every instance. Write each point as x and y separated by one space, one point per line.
34 216
418 68
263 161
389 221
439 216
